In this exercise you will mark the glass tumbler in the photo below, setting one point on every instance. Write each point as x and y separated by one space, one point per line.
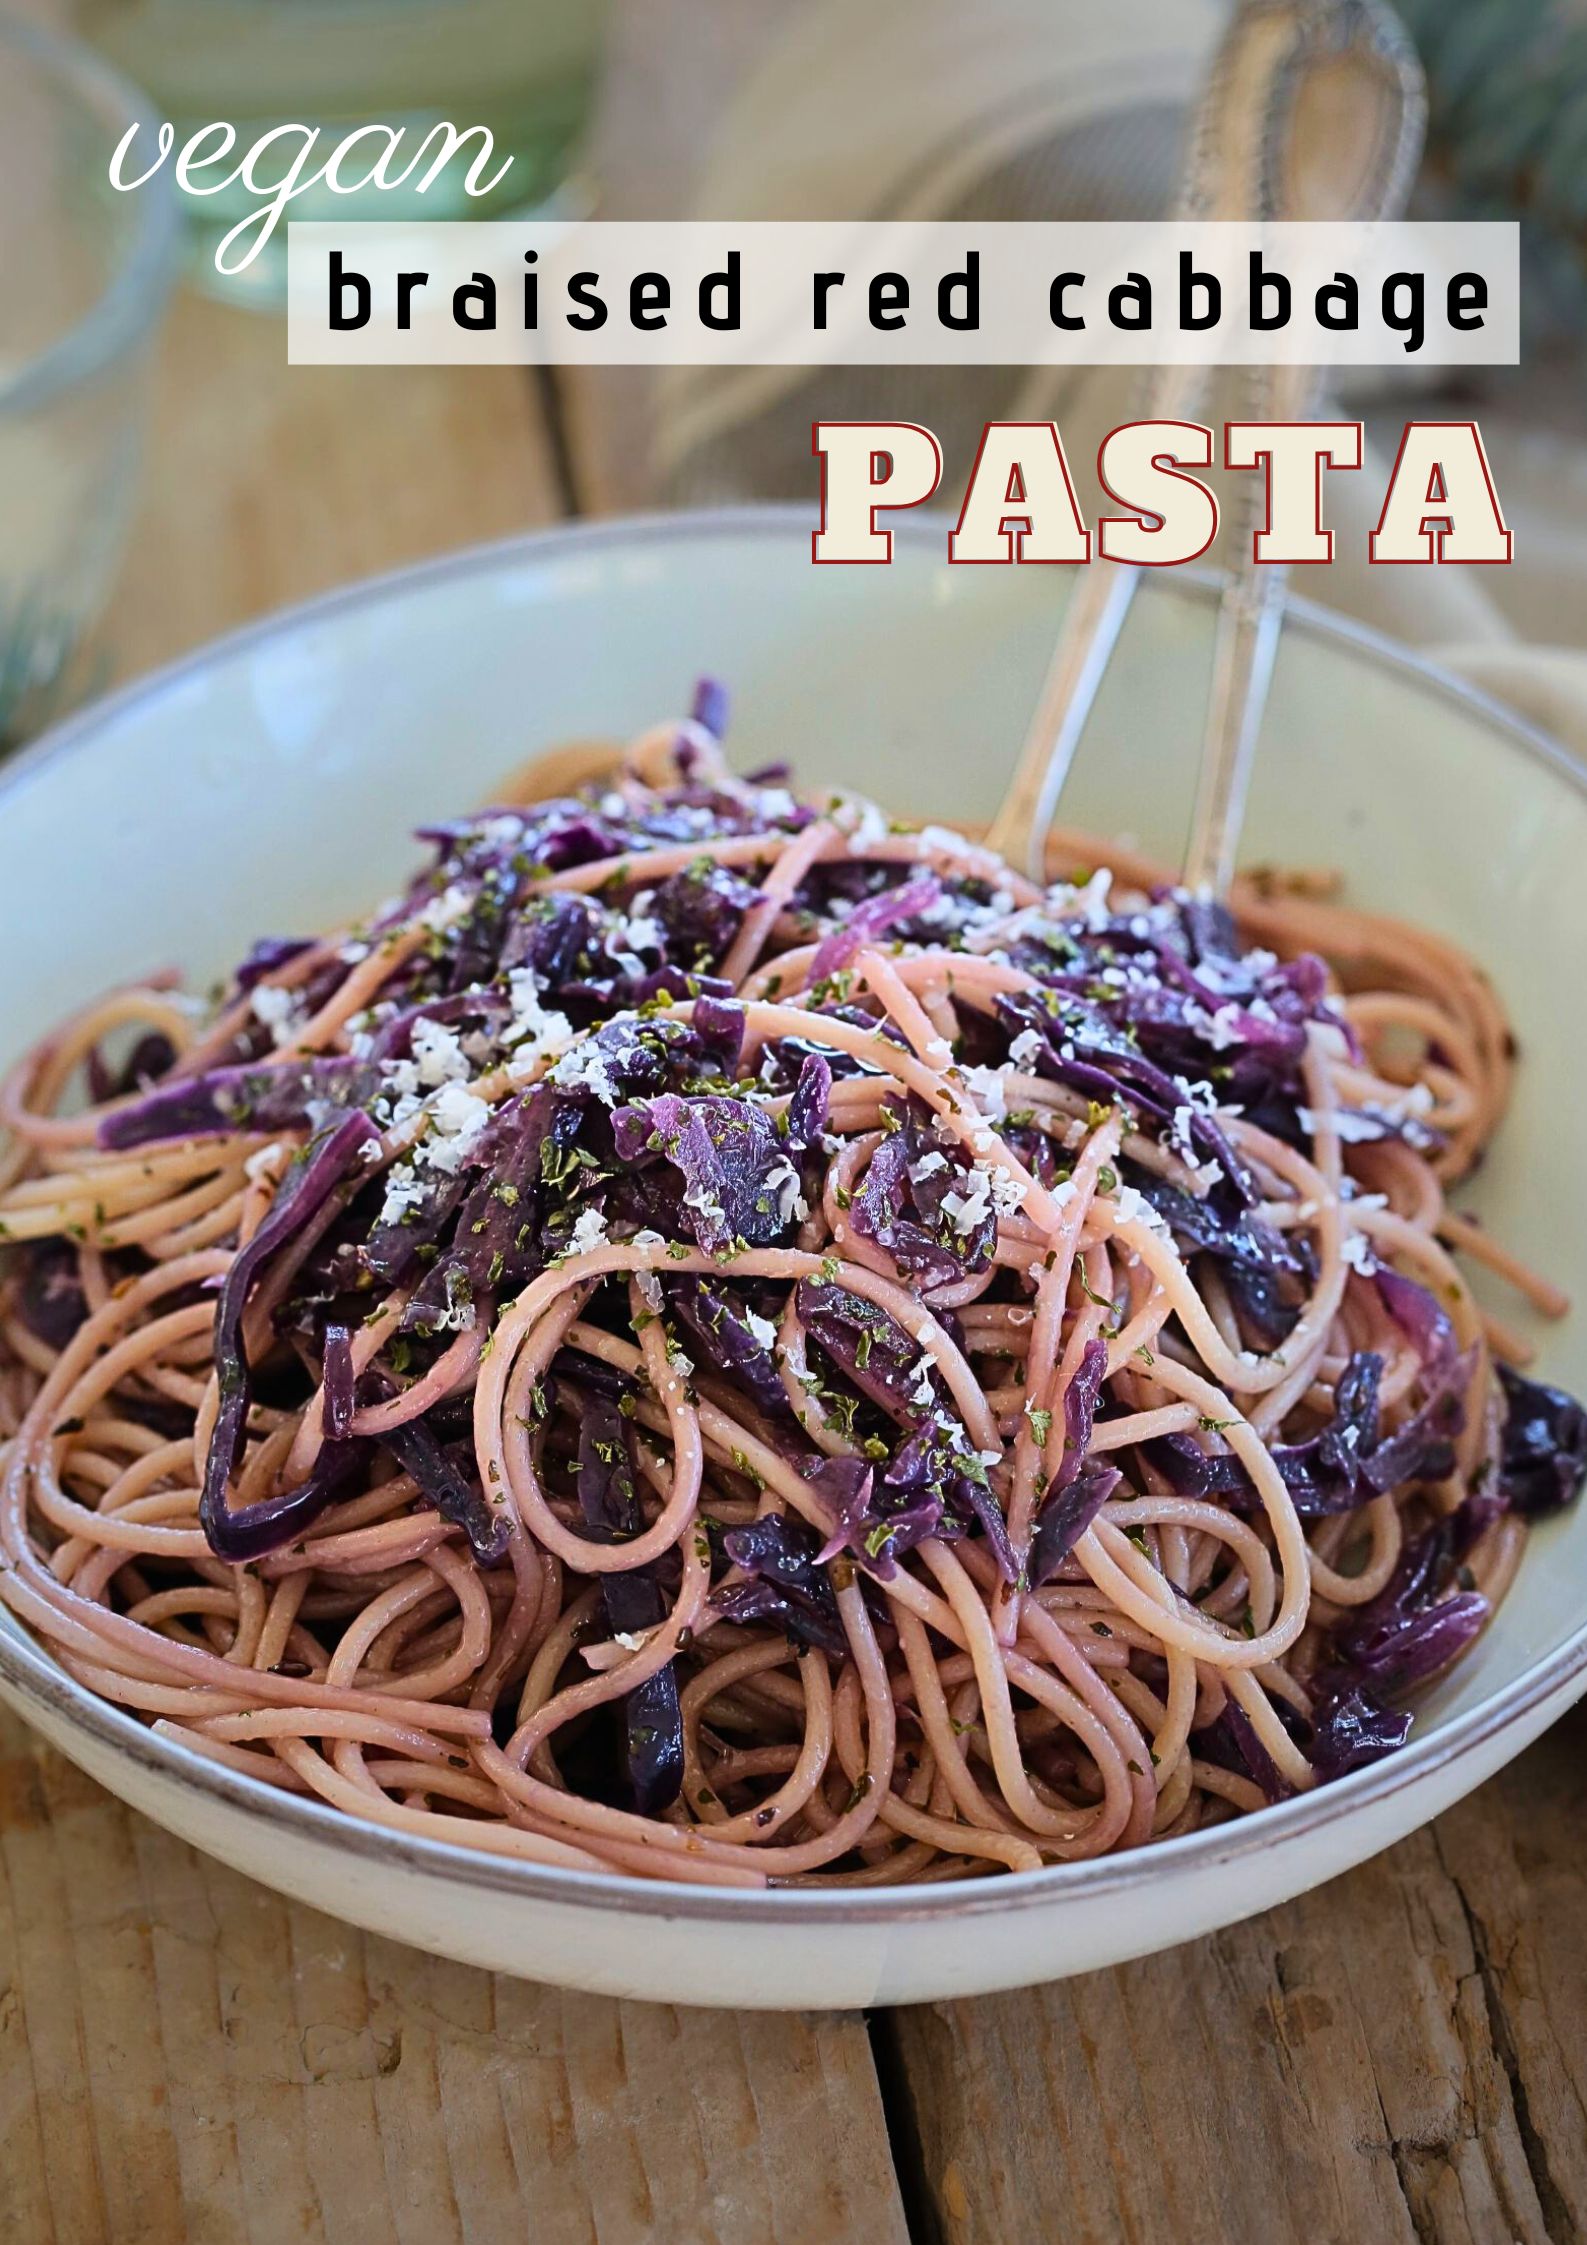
525 70
84 274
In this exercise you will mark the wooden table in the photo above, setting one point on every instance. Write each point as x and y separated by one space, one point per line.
186 2059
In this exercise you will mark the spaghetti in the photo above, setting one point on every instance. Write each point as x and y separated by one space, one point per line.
723 1338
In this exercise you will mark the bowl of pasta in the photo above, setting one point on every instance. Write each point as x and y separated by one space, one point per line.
625 1357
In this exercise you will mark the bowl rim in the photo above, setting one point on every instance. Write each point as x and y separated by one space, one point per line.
33 1680
129 306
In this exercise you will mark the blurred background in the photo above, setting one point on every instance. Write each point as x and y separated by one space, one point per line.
165 475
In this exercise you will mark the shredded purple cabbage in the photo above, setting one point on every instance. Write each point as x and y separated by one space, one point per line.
633 1601
1264 1272
701 911
718 1317
1413 1629
1419 1315
916 1201
844 1487
448 1480
1066 1514
1345 1464
711 707
150 1058
868 1346
742 1185
248 1531
1231 1743
1352 1728
240 1098
1543 1449
936 1485
1406 1647
339 1383
787 1582
495 1246
51 1299
873 919
269 955
1082 1485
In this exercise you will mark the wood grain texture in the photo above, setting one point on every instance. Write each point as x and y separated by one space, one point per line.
1396 2059
188 2059
267 483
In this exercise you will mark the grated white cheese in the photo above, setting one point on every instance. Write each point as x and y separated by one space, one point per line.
987 1191
438 1056
792 1207
1133 1207
444 911
587 1068
1092 901
1357 1252
588 1233
1181 1138
403 1192
1354 1129
1008 1192
1027 1048
278 1011
705 1203
987 1084
532 1030
1224 1028
954 844
861 821
457 1118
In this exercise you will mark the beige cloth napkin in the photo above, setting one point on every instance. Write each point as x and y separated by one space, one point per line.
1071 108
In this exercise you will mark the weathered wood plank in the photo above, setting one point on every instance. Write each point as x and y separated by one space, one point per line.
186 2057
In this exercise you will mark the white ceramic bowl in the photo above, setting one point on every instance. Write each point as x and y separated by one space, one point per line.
269 783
